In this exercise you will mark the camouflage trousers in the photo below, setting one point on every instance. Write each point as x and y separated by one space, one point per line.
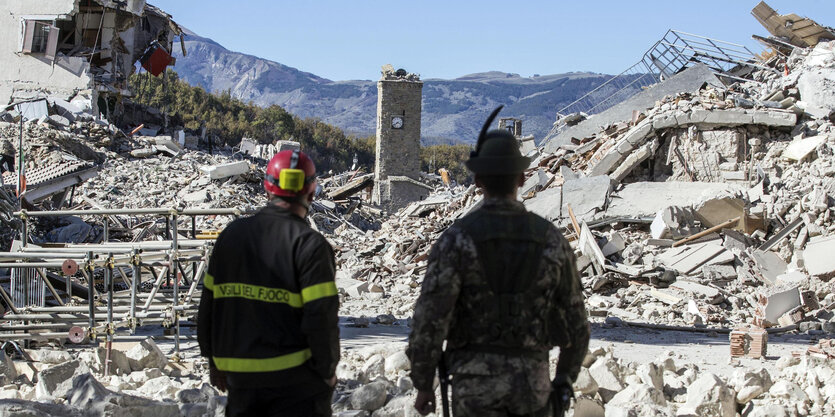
501 386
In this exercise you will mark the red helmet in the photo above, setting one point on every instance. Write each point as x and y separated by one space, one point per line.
290 173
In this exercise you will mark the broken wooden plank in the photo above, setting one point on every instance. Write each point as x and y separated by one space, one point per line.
703 233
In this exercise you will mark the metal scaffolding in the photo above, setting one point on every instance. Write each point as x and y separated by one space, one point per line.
80 281
673 53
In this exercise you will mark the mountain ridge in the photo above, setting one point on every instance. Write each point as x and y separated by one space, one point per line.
453 110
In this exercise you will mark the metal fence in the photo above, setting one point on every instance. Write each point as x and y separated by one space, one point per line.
672 54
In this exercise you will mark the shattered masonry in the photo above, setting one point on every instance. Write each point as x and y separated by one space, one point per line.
702 219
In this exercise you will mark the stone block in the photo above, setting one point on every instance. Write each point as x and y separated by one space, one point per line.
770 265
710 396
687 258
146 354
645 199
624 147
57 380
369 397
638 394
606 373
585 384
615 244
59 121
588 407
397 362
143 152
651 374
226 170
287 145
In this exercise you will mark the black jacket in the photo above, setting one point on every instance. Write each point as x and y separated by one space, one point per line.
268 313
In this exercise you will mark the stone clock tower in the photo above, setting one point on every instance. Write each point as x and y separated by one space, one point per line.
397 170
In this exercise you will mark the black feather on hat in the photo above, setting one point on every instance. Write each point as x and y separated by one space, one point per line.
496 152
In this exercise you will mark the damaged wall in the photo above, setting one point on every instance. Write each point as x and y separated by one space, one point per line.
31 72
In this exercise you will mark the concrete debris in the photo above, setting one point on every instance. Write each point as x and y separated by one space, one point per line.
57 380
145 354
818 257
226 170
686 158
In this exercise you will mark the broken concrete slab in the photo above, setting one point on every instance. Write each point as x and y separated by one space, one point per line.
59 121
535 182
588 246
226 170
686 259
586 195
567 173
8 371
616 243
817 89
634 159
646 199
719 272
33 110
818 256
547 203
716 211
798 150
56 381
166 144
710 294
770 265
778 303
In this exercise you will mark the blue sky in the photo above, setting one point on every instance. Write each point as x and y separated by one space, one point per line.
351 39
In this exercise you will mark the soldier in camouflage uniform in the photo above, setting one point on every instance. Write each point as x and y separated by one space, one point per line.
6 156
502 289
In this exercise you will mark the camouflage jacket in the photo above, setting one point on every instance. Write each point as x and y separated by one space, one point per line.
447 294
6 148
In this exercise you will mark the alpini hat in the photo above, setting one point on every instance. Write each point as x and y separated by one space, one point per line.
496 152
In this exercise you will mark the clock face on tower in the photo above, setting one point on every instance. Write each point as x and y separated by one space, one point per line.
397 122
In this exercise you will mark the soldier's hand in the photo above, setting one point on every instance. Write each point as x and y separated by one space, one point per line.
217 377
331 381
425 402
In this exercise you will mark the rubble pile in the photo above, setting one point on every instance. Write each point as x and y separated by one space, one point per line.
379 273
713 207
710 212
140 381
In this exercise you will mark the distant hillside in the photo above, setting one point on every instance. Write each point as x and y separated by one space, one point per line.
453 110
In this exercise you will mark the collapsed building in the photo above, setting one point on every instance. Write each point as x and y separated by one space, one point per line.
81 51
700 206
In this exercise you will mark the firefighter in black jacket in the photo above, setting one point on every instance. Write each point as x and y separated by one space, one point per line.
268 314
